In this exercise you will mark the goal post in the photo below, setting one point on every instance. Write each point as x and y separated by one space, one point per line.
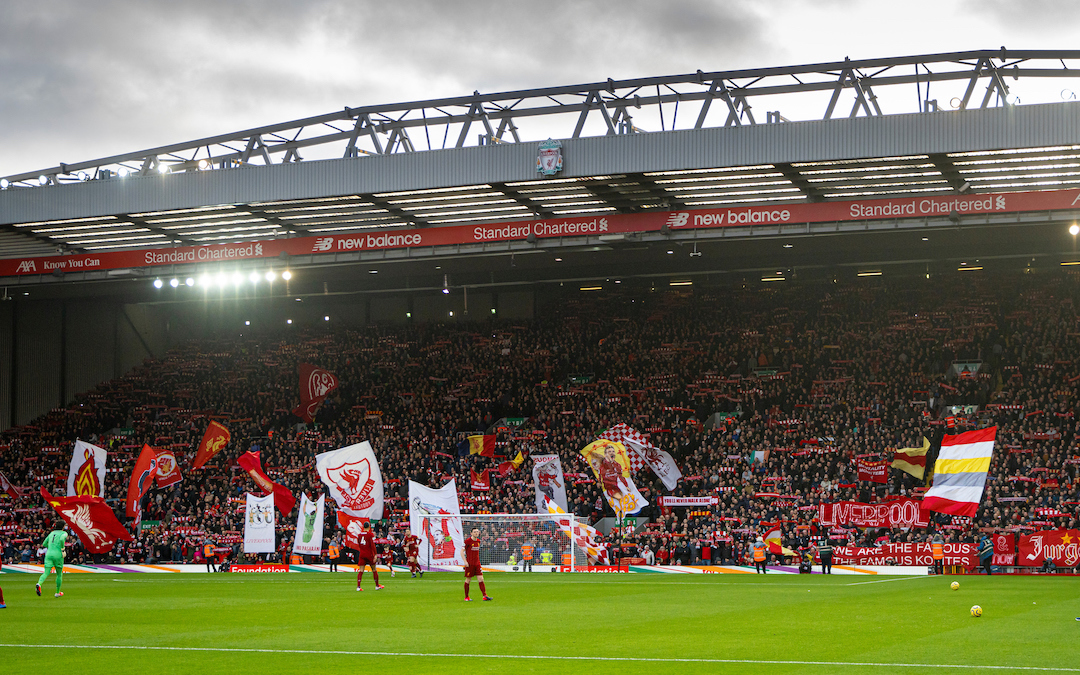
507 541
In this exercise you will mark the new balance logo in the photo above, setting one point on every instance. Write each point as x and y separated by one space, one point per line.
678 219
26 266
323 244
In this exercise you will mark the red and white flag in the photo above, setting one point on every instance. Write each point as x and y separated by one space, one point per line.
86 476
8 487
168 473
960 472
480 481
874 472
642 452
283 498
142 477
315 385
91 519
353 477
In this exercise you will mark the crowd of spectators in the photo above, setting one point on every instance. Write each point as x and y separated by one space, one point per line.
766 398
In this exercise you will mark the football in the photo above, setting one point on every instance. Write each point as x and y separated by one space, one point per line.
976 611
954 585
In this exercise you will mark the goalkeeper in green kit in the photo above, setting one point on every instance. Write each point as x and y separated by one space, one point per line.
54 557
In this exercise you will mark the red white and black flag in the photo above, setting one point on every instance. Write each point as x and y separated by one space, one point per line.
315 385
283 498
142 477
91 519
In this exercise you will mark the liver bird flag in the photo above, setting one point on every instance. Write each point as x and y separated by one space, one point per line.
214 441
90 518
315 385
353 477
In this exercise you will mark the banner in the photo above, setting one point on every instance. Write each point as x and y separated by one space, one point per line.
642 452
1060 546
912 460
550 485
1004 549
168 473
213 441
611 468
8 487
353 477
86 476
874 472
905 553
142 477
482 445
960 472
91 519
902 512
283 498
441 539
479 480
309 526
688 501
259 524
315 385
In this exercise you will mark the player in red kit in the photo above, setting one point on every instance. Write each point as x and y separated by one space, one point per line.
365 554
472 564
412 554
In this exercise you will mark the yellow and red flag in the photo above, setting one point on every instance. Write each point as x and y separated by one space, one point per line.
482 445
214 441
912 460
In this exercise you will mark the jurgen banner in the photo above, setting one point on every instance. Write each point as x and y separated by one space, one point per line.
309 526
1060 546
897 513
549 481
259 524
906 553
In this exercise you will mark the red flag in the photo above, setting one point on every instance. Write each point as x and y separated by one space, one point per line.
214 441
91 519
142 477
350 525
6 486
168 472
315 385
482 445
283 499
875 472
481 481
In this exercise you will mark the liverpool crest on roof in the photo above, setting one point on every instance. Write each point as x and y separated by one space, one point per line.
549 158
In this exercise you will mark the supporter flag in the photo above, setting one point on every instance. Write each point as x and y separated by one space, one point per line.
912 460
309 526
480 480
168 473
86 476
6 486
611 468
960 472
773 541
506 467
874 472
259 524
283 499
435 517
91 519
482 445
661 463
350 527
214 441
315 385
142 477
355 482
584 536
549 481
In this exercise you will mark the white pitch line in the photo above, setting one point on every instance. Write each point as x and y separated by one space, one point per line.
885 581
631 659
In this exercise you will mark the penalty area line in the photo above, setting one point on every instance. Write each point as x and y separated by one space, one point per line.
885 581
541 657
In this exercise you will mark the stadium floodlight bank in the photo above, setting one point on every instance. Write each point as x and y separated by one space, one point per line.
502 538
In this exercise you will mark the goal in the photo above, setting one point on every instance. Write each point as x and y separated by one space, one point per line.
505 541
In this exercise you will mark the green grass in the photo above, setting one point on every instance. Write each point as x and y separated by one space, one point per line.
841 623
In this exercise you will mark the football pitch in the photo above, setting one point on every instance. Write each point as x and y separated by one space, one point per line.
540 623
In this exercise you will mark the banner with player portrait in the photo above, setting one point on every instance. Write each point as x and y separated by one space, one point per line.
435 517
550 485
611 468
86 476
259 524
638 447
353 477
309 526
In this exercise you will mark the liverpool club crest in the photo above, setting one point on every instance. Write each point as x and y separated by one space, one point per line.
549 158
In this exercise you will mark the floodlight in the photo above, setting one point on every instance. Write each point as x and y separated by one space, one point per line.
286 275
174 282
158 283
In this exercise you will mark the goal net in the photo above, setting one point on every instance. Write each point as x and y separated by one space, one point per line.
508 541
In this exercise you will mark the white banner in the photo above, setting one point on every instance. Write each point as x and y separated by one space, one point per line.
87 473
259 524
355 482
550 485
441 538
688 501
309 526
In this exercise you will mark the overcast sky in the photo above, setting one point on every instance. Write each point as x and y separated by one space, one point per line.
81 80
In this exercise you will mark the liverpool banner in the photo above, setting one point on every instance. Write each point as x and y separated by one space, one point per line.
688 501
905 553
259 524
91 519
434 516
902 512
611 468
1060 546
283 498
480 481
213 441
86 476
309 526
874 472
315 385
168 473
549 481
661 463
353 477
142 477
